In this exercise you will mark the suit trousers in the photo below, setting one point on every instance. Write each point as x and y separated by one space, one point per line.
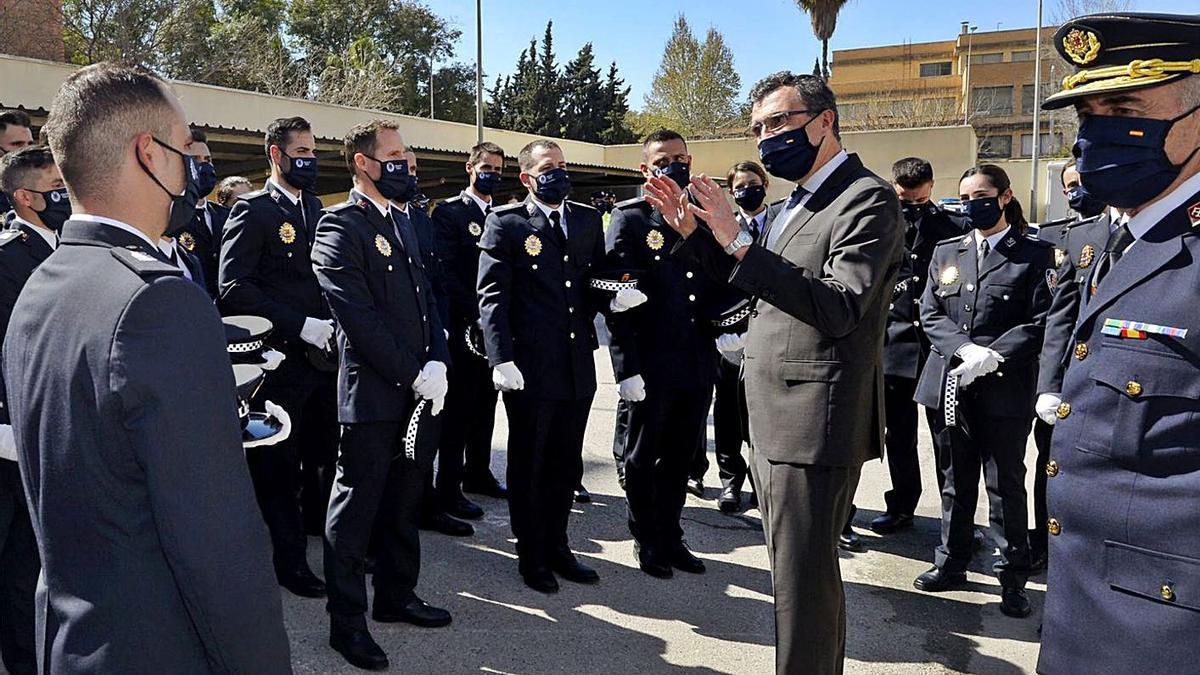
903 461
277 470
19 570
1041 438
465 450
658 452
377 491
545 460
804 508
731 425
621 435
996 446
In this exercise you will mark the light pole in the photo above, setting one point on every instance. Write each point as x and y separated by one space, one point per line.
478 71
430 85
1037 118
967 76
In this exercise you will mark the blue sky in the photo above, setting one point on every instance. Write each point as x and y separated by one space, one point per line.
765 35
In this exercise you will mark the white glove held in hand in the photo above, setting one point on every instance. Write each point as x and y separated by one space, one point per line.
317 332
1047 407
507 377
431 382
285 422
632 389
977 361
627 298
731 342
272 359
438 404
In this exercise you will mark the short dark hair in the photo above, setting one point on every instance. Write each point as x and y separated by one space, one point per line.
17 118
998 179
662 136
361 138
813 90
198 136
1062 175
479 152
95 114
226 186
912 172
280 131
746 167
16 167
525 158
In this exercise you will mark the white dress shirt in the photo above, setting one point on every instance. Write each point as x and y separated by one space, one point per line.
810 186
89 218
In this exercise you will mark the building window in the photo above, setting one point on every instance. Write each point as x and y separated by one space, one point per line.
995 147
1051 145
1026 55
994 57
935 69
992 100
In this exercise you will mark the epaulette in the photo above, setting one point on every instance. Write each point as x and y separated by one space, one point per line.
1057 222
1040 242
581 205
254 195
1084 221
500 210
342 206
145 265
638 202
9 236
956 240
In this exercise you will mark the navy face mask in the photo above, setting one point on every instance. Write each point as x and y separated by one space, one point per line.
58 208
486 182
1082 202
302 171
789 155
983 213
183 205
207 179
1122 160
914 211
676 171
750 197
393 178
552 187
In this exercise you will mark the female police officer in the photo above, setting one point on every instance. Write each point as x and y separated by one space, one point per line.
984 311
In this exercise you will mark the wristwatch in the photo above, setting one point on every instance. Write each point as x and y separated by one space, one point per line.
741 241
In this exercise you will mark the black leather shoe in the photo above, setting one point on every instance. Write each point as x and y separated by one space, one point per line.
567 566
683 560
541 580
936 581
359 649
652 563
415 611
891 522
696 486
582 496
849 540
461 507
440 522
301 581
730 500
1014 603
486 485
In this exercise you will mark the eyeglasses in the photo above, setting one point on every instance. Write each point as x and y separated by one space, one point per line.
775 122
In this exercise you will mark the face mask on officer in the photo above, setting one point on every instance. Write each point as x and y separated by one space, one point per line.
983 213
487 182
301 171
680 172
57 209
183 205
914 211
790 155
751 197
393 182
551 187
1082 202
207 180
1123 160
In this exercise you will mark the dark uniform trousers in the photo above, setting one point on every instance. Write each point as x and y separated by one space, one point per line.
731 425
466 440
19 568
903 460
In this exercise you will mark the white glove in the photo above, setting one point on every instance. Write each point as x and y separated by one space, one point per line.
431 382
627 298
730 343
632 389
438 404
977 361
1047 407
285 422
317 332
507 377
8 443
272 359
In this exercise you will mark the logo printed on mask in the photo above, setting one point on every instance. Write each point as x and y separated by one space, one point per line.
983 213
58 208
751 197
790 155
183 205
553 186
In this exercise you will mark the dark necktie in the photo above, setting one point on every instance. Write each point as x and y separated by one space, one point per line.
752 226
1118 241
797 195
984 249
399 223
560 234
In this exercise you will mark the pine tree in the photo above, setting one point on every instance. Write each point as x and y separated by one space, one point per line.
583 98
545 118
616 110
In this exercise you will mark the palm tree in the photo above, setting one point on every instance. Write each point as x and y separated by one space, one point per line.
824 15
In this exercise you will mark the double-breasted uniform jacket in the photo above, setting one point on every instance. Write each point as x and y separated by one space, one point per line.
204 242
457 229
535 300
1001 303
21 251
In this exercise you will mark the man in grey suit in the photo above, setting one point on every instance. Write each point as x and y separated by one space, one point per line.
123 407
821 277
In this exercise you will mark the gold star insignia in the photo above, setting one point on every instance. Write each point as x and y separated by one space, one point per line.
383 245
1086 256
948 276
655 240
187 241
287 233
533 245
475 229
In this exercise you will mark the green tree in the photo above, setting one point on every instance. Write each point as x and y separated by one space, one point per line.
547 93
824 14
583 98
616 110
696 87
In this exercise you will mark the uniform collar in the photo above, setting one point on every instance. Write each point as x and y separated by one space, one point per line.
993 240
101 220
483 206
294 199
547 210
50 237
1147 218
382 208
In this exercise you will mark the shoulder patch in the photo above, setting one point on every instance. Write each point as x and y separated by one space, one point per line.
1083 221
636 202
954 241
341 207
9 236
254 195
143 264
500 210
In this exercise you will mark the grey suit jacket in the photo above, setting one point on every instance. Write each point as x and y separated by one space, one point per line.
814 353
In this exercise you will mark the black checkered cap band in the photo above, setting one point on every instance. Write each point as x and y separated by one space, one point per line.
733 320
614 286
471 345
410 434
244 347
950 404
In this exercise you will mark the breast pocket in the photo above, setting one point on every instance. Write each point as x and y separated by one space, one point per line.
1002 303
1142 411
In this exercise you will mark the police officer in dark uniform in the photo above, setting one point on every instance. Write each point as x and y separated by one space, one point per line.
905 345
984 311
392 363
465 451
202 238
535 266
124 411
15 133
1124 466
265 271
35 190
664 360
